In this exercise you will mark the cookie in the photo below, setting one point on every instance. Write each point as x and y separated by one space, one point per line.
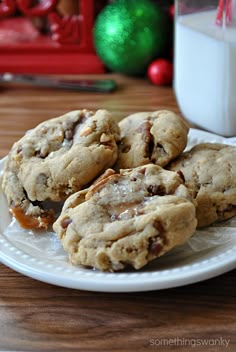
57 158
210 174
151 137
125 219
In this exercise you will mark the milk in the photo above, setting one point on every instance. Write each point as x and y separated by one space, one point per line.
205 72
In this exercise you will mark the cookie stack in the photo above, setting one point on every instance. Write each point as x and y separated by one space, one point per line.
130 193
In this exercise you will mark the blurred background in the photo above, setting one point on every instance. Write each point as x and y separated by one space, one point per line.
131 37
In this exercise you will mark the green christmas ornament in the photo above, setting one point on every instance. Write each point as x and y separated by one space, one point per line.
129 34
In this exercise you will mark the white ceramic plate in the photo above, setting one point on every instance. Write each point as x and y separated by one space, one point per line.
209 253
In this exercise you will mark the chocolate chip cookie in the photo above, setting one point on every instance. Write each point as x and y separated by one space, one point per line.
210 174
125 219
57 158
151 137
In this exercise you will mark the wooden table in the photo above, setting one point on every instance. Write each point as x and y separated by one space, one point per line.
35 316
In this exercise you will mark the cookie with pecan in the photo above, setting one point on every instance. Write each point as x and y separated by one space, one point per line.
55 159
128 218
209 170
151 137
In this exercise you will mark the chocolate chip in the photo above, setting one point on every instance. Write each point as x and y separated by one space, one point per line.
147 137
154 247
69 135
37 153
158 226
160 232
181 175
156 190
19 150
65 223
36 203
150 147
125 149
144 129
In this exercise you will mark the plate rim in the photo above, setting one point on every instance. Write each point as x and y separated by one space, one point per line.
100 282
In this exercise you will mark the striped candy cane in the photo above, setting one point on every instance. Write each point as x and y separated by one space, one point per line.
227 7
220 11
229 11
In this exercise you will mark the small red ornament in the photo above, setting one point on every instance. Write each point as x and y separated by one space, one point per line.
160 72
172 11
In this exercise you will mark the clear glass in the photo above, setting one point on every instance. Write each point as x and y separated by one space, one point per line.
205 63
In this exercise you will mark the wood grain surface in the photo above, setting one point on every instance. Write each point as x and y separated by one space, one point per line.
36 316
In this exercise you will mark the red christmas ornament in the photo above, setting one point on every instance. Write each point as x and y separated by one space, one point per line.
160 72
172 11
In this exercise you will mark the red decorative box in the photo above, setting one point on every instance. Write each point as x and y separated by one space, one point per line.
48 36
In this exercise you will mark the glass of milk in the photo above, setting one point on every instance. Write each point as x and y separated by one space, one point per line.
205 63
